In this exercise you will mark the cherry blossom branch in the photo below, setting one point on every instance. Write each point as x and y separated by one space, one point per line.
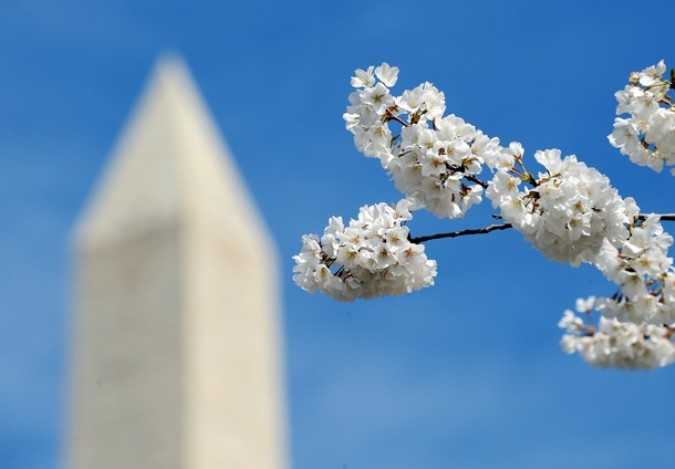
475 180
503 226
376 255
457 234
393 116
662 216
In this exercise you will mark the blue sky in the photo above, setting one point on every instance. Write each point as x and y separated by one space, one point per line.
467 374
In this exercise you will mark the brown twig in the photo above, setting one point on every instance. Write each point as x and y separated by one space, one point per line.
456 234
506 226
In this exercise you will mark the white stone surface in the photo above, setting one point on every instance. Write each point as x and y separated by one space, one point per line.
176 355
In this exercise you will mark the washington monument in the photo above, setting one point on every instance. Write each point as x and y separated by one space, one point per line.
176 357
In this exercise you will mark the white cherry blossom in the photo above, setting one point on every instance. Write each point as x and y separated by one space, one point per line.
435 159
371 256
647 136
618 344
570 212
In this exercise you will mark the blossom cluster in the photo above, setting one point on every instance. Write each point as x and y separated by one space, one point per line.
616 344
372 256
433 158
643 271
636 324
567 212
647 136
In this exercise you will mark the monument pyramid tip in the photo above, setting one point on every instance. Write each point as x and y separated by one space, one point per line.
171 163
169 63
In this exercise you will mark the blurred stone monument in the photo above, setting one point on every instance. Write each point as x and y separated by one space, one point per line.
176 342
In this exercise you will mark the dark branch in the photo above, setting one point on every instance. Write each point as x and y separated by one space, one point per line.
456 234
475 180
662 216
393 116
505 226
